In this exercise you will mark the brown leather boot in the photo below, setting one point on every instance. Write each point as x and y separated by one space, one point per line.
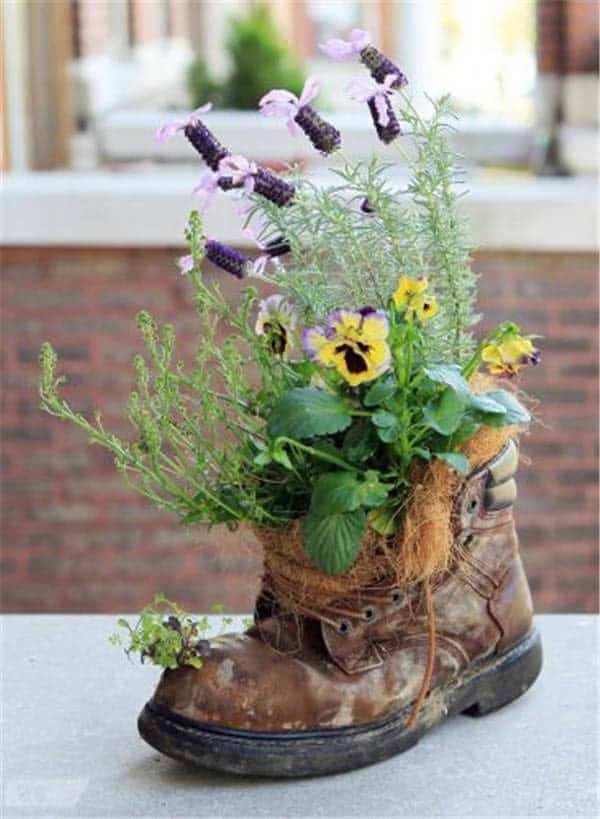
298 696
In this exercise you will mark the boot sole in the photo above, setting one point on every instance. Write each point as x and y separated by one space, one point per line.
333 750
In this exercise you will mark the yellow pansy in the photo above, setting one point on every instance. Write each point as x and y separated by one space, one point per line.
410 294
353 341
408 290
508 357
424 307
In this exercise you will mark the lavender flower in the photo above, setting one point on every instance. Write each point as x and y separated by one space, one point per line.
227 258
239 172
360 44
273 188
277 247
377 96
279 103
206 143
206 189
381 67
203 140
366 206
169 129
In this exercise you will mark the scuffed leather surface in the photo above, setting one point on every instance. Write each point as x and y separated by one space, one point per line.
296 673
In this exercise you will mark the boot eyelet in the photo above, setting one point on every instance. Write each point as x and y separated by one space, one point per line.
397 598
472 505
344 627
369 613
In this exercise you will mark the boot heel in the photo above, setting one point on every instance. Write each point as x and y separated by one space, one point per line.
511 677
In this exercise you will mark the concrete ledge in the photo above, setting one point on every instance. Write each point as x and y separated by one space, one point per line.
71 747
149 208
129 135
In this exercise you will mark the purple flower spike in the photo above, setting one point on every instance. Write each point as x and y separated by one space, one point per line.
381 66
277 247
206 143
279 103
273 188
360 44
169 129
366 206
227 258
387 133
377 96
238 171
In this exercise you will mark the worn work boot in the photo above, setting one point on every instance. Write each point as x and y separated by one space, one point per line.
298 696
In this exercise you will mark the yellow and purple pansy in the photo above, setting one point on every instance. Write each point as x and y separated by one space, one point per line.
352 341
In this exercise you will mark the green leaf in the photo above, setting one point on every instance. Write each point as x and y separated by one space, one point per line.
360 442
333 541
423 453
380 392
372 491
458 462
451 375
384 519
515 411
304 412
445 413
281 457
336 492
388 427
464 432
484 403
381 418
389 434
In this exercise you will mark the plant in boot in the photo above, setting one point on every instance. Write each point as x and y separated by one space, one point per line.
354 423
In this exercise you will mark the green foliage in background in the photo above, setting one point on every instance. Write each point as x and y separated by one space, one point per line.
259 61
201 85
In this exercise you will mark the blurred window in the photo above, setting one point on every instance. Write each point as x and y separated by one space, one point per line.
487 56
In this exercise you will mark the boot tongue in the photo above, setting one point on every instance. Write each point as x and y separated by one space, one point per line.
284 633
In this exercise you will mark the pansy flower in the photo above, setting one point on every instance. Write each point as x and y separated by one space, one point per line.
352 341
277 321
411 296
507 358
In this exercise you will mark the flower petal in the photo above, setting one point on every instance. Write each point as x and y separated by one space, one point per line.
313 341
185 264
343 321
375 327
380 103
309 92
361 89
345 49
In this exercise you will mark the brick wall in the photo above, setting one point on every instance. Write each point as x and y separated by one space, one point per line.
74 539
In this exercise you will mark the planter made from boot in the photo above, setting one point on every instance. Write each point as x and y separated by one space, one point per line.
312 694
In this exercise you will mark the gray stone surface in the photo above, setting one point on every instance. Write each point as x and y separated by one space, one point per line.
71 748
